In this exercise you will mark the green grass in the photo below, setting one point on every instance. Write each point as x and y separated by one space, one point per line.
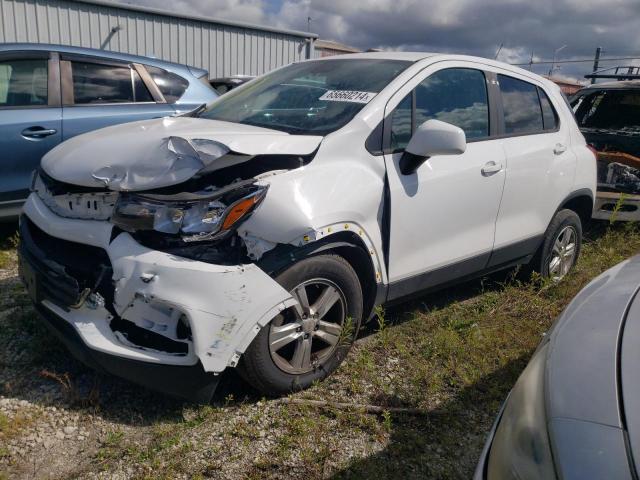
452 355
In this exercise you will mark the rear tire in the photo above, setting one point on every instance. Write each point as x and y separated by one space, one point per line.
560 248
308 342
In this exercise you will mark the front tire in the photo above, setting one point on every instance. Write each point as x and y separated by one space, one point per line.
307 342
561 247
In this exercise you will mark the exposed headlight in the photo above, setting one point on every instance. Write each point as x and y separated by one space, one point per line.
193 217
520 448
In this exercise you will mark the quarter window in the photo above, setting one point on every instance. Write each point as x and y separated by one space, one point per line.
521 105
98 83
23 83
549 117
401 128
171 85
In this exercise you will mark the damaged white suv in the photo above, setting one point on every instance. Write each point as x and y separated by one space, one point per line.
261 231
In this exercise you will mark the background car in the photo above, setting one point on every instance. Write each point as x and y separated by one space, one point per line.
223 85
50 93
574 413
608 115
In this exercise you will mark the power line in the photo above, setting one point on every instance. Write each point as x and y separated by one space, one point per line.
587 60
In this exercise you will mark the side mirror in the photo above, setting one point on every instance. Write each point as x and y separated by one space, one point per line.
431 138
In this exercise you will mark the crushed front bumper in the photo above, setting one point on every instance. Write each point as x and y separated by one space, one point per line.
152 292
190 382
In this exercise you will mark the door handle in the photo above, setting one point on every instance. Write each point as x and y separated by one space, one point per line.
559 149
490 168
38 132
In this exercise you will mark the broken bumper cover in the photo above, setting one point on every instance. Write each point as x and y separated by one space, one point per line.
223 306
189 382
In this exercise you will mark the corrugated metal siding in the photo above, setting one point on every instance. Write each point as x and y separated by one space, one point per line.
223 50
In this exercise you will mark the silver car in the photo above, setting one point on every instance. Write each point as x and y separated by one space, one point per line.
574 413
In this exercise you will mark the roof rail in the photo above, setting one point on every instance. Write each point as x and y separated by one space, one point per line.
622 72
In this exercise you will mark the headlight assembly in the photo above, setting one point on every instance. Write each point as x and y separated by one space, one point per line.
192 217
521 448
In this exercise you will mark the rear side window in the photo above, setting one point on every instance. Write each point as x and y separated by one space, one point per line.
521 105
457 96
549 116
100 83
23 83
171 85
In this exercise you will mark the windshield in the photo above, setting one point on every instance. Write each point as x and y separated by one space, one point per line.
308 98
609 109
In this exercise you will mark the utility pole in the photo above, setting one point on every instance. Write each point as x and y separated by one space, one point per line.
596 61
308 24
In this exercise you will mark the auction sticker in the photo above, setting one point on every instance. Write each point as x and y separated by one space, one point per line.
347 96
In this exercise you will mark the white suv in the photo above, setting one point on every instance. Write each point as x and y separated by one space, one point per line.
263 230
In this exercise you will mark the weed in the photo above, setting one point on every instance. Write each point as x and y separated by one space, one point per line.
73 393
386 420
346 333
616 208
380 318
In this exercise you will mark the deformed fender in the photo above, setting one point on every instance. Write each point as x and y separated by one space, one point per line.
225 305
305 206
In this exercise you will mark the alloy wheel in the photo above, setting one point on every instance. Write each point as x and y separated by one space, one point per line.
305 336
563 253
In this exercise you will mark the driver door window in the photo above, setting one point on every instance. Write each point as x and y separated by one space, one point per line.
455 95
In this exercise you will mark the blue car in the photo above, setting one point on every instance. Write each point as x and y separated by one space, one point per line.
49 93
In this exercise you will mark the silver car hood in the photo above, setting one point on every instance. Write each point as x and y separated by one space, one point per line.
582 365
586 362
163 152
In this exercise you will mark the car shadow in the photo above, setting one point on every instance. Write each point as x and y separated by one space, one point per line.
8 231
445 442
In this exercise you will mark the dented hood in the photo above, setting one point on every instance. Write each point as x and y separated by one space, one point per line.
162 152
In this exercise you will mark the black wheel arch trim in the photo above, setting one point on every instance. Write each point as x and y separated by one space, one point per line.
285 255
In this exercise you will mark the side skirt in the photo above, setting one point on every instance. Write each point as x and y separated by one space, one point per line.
506 257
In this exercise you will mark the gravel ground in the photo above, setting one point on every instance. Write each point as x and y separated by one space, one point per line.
449 359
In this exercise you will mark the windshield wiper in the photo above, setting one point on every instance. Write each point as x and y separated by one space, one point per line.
195 112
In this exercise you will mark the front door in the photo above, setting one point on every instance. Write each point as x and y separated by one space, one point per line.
30 122
442 217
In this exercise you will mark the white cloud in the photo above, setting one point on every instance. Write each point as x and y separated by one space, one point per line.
461 26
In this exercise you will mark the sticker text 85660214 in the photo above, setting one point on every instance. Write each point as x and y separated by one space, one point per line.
347 96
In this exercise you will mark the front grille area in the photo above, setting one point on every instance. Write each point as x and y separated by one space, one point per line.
65 273
74 202
61 271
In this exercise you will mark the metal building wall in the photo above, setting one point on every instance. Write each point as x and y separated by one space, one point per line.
222 48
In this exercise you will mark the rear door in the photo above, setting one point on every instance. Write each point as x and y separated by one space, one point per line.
541 166
30 120
97 93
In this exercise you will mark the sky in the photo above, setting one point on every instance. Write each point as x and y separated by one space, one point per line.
476 27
